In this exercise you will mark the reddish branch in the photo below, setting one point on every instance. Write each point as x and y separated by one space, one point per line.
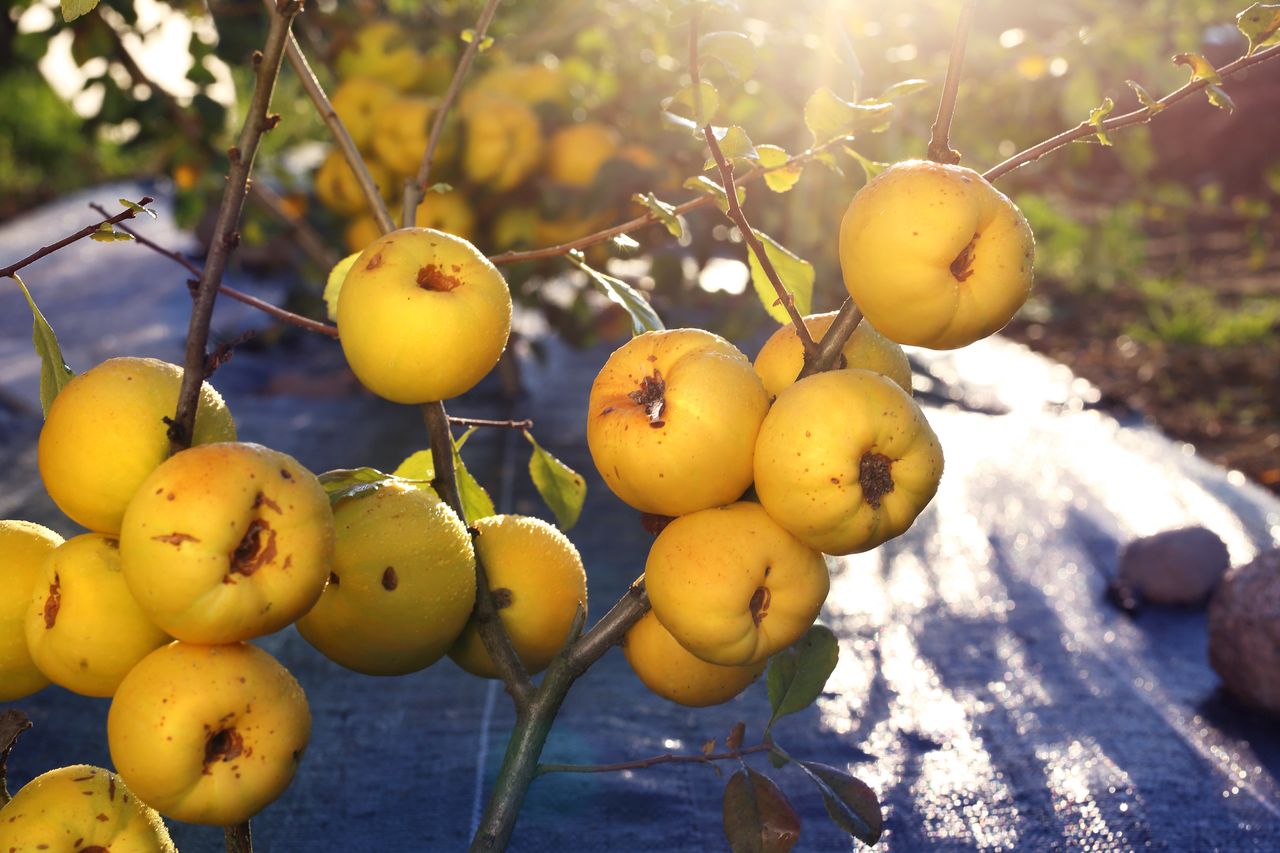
87 231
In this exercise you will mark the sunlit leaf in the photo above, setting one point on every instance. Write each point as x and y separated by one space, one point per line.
779 176
830 117
346 483
137 208
624 245
54 373
734 145
1202 69
333 285
850 802
469 35
105 234
1097 115
441 187
663 212
798 674
682 105
870 167
703 184
757 816
1219 98
1260 24
476 503
72 9
643 317
796 274
1144 97
563 489
899 90
734 51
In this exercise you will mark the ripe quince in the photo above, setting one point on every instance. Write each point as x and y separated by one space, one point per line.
401 131
448 212
672 421
575 153
934 255
503 139
673 672
25 547
338 189
357 102
381 50
846 460
782 357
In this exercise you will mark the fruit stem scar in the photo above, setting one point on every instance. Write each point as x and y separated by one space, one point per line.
431 277
651 395
253 553
962 266
502 598
222 745
760 604
875 476
53 602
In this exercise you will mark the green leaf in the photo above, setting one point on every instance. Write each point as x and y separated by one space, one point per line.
798 674
344 484
469 35
1202 69
643 317
333 286
441 187
757 816
72 9
561 487
830 117
1144 97
1260 24
870 167
779 176
105 234
137 208
899 90
1096 117
734 145
663 212
420 465
54 373
850 802
703 184
734 51
1219 98
681 104
624 246
796 275
476 503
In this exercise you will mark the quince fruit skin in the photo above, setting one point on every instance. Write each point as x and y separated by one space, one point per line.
672 421
105 432
448 212
208 734
671 671
732 586
402 585
84 629
338 189
25 546
934 255
401 131
782 357
575 153
382 50
360 232
357 102
81 808
538 583
225 542
503 140
846 461
423 316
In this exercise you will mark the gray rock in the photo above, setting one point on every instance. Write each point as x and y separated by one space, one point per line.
1244 632
1178 567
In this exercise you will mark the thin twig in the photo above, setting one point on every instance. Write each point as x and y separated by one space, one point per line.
488 623
643 763
12 723
416 187
739 218
527 423
940 150
226 290
87 231
307 238
1139 116
832 344
239 838
608 632
225 237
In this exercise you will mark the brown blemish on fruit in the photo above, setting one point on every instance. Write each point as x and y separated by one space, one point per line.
760 604
503 598
262 500
431 277
875 476
53 602
962 266
284 472
374 262
334 579
389 579
651 395
222 745
175 539
102 817
256 549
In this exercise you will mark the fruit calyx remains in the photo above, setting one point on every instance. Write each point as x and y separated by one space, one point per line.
222 745
253 553
962 266
650 395
432 277
760 604
875 477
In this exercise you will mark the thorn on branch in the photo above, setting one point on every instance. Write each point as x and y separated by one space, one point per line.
222 352
233 154
273 121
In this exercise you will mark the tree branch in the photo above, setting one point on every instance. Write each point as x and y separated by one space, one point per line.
12 723
643 763
225 237
238 837
416 187
87 231
940 150
1139 116
832 343
485 422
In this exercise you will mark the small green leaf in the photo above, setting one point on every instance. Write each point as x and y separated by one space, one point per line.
734 51
796 275
476 503
72 9
1096 117
420 465
734 145
1260 24
137 208
898 90
346 483
830 117
1144 97
105 234
850 802
561 487
333 286
870 167
682 106
1219 98
703 184
441 187
757 816
624 246
663 212
643 317
780 176
54 373
798 674
1201 68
